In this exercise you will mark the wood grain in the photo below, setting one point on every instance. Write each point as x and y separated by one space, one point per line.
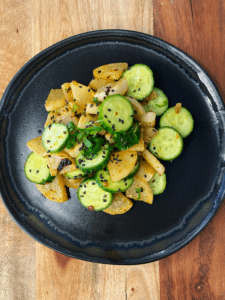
17 259
57 274
197 27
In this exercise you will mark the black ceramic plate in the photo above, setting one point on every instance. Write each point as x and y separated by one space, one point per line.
196 179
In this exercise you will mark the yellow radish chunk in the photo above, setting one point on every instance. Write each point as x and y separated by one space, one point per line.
113 88
92 108
76 151
97 83
140 190
146 171
153 161
138 108
121 164
82 95
60 163
55 190
72 183
36 146
111 71
120 205
56 99
67 91
149 133
148 119
63 115
177 108
109 137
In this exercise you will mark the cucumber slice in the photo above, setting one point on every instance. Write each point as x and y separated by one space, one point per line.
36 169
135 170
167 144
88 164
140 81
55 137
75 174
182 121
105 182
116 114
92 196
158 183
158 102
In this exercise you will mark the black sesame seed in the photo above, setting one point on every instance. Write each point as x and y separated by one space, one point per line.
75 177
153 148
122 121
84 192
83 165
89 90
64 132
48 141
48 151
99 71
104 200
132 155
30 170
91 105
131 115
37 171
134 91
105 116
139 89
109 121
109 109
112 161
103 156
93 183
145 176
80 86
104 152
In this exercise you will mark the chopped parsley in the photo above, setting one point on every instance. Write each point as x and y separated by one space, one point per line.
95 100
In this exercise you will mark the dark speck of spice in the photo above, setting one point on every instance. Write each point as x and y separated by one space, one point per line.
132 155
80 86
99 71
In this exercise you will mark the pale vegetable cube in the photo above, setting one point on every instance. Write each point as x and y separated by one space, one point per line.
119 205
148 119
149 133
57 163
36 146
146 171
92 108
75 151
146 193
97 83
113 88
67 91
82 94
121 164
72 183
55 190
56 99
138 108
110 71
153 161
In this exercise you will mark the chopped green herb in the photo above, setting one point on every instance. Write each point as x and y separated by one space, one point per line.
95 100
139 190
88 143
71 126
74 107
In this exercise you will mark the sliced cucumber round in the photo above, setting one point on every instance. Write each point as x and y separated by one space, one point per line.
135 170
167 144
92 196
182 121
105 182
88 164
116 114
158 183
36 169
157 103
75 174
140 81
55 137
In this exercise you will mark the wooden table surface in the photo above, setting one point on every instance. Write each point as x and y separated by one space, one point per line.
29 270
